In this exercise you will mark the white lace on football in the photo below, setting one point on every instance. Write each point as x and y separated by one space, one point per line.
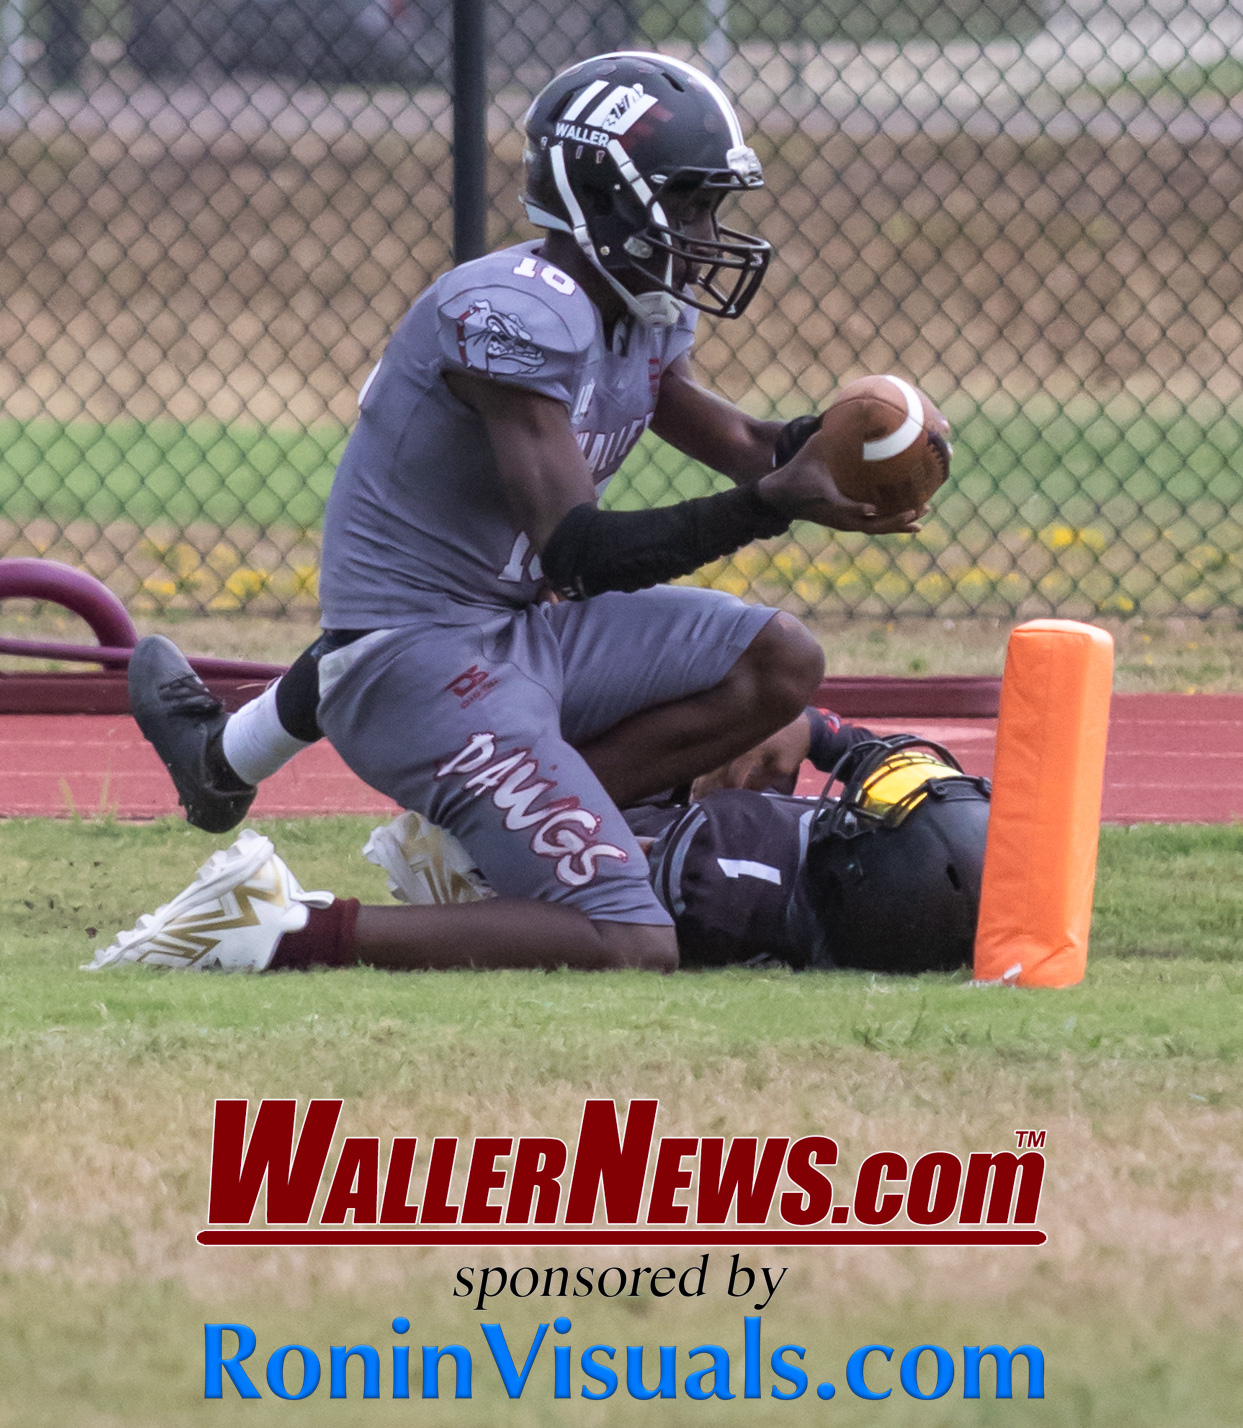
425 864
230 918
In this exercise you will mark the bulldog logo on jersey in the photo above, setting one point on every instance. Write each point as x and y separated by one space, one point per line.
495 342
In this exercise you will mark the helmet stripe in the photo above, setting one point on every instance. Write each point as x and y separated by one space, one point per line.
584 99
578 220
714 89
598 118
632 176
642 192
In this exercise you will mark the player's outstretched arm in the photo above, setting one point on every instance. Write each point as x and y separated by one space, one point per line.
507 932
817 736
707 428
585 550
544 473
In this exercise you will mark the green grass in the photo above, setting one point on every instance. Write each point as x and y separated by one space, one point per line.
1184 81
1087 508
107 1081
1153 946
163 472
1077 463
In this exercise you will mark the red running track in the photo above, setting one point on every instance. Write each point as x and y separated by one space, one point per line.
1173 758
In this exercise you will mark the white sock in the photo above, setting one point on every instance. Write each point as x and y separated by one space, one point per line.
255 741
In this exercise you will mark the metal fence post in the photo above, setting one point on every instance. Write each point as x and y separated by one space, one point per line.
12 55
470 130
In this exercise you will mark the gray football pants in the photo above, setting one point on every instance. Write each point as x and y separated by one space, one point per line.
473 715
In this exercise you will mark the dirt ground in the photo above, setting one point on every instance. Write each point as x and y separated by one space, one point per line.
257 274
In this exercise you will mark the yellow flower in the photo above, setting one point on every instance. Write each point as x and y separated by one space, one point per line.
245 583
933 587
975 583
873 561
831 562
850 582
732 582
892 586
1118 603
1012 587
221 557
1207 557
790 561
1057 538
240 587
183 559
751 562
812 587
306 581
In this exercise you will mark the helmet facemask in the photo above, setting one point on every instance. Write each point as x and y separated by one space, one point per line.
727 268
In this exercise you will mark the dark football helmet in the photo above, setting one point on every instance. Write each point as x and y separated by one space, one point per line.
891 880
618 150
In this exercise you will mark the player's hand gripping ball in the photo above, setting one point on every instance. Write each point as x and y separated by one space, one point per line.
884 442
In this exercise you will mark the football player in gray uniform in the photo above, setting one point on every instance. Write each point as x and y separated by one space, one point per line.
503 404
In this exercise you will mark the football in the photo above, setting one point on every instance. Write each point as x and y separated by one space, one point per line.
885 443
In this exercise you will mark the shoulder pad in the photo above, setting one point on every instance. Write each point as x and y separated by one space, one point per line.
516 318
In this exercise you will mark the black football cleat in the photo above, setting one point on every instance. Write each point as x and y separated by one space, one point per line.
184 721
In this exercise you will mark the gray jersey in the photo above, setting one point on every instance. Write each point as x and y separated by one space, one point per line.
417 509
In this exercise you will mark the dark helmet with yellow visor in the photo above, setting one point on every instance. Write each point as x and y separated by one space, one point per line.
891 879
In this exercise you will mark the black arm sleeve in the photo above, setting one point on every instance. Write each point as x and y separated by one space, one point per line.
592 551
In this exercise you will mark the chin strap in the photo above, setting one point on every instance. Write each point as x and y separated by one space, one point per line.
654 309
658 309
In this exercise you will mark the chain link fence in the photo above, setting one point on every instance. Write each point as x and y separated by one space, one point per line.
213 213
